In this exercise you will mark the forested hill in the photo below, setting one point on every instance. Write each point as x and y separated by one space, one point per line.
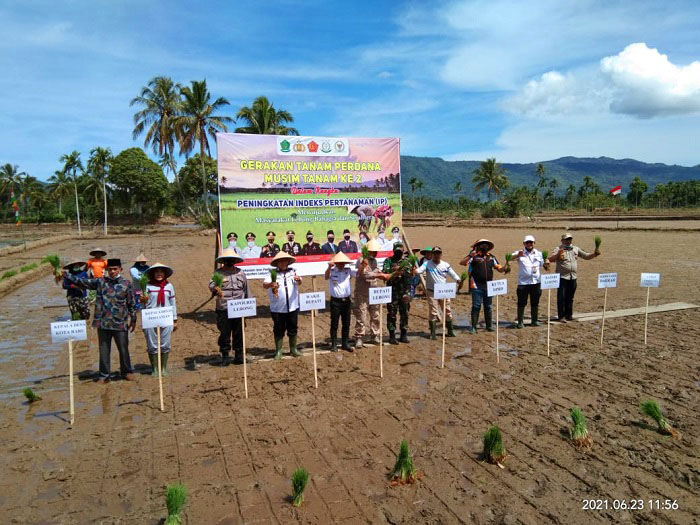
440 176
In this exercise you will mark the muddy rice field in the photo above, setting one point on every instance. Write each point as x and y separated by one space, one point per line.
236 456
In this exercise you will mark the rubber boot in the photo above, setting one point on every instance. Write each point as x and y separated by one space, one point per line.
535 317
404 336
345 345
450 330
278 347
238 357
293 346
488 317
163 363
432 330
392 337
153 358
358 343
334 344
521 315
475 321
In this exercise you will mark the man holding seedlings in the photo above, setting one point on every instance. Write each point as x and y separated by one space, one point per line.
271 248
291 247
529 276
115 313
368 276
136 271
282 285
400 268
75 294
251 251
436 271
481 266
159 293
234 285
566 256
338 275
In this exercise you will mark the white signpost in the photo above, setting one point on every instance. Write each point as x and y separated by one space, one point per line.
158 318
444 291
649 281
380 295
69 331
549 282
605 280
313 301
496 288
242 308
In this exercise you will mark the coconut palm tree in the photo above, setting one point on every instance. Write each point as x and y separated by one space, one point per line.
72 163
98 164
33 195
197 122
413 183
59 187
10 180
263 119
160 102
492 175
419 187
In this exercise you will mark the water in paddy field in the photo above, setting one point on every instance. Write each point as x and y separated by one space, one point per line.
26 352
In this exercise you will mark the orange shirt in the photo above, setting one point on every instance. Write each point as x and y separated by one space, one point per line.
97 266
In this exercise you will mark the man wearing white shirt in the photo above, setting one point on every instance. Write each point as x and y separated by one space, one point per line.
395 237
436 271
251 251
530 262
283 292
338 276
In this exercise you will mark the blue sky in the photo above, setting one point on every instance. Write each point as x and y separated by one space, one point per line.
458 79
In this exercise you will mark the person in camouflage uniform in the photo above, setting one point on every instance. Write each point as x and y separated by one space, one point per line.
400 281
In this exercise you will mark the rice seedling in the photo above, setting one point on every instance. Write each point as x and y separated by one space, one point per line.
652 409
509 257
597 240
413 260
175 496
365 252
579 431
494 451
31 395
462 279
55 261
75 316
28 267
273 279
92 296
545 254
143 284
218 281
404 472
8 274
300 478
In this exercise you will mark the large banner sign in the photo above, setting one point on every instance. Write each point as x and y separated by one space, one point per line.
305 196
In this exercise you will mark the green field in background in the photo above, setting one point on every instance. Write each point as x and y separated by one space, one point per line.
279 220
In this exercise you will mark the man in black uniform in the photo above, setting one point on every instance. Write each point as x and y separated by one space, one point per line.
291 247
311 247
270 249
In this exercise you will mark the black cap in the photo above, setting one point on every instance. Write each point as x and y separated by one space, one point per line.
309 232
270 233
114 262
346 230
329 232
234 234
250 234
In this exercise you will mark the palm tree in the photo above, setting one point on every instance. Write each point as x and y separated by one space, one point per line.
413 183
98 165
73 163
263 119
33 194
492 175
553 185
541 179
59 187
419 187
160 101
10 179
198 121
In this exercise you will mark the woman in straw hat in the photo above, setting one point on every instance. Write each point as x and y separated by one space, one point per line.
368 276
75 294
338 275
159 293
282 285
235 286
136 271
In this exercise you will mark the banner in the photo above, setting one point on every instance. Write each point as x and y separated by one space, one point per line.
311 187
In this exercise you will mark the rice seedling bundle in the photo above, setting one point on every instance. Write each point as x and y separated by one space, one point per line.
404 472
218 281
300 478
413 260
579 431
175 496
509 257
55 261
494 451
545 254
365 252
652 409
8 274
597 240
31 395
273 279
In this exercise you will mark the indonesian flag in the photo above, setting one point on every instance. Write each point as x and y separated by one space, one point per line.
616 190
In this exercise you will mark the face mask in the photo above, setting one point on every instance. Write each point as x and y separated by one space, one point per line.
363 241
396 236
398 253
232 244
346 237
309 238
251 243
381 235
290 238
331 239
270 241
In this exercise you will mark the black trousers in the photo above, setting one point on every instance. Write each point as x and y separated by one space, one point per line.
285 323
121 338
531 291
565 298
340 310
228 329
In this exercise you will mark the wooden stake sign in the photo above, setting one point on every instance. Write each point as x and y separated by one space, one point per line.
380 295
499 287
549 281
242 308
649 281
69 331
444 291
605 280
313 301
158 318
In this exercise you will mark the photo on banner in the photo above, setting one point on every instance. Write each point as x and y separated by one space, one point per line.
308 185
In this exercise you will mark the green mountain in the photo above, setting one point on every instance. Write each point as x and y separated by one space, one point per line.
440 176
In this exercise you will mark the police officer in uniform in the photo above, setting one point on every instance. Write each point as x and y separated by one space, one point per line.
271 248
291 247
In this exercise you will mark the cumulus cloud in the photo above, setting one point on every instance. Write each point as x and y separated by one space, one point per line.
639 81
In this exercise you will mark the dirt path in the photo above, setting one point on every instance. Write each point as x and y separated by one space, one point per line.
236 456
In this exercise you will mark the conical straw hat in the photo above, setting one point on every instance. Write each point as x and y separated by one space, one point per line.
340 257
374 246
168 270
281 256
229 253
